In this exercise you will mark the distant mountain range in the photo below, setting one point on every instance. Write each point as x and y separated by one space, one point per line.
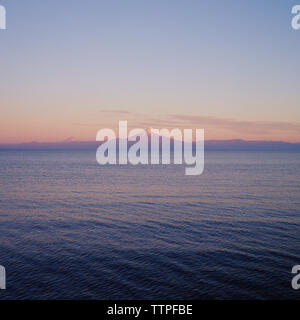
210 145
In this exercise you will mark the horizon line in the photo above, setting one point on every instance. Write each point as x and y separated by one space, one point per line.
70 141
209 145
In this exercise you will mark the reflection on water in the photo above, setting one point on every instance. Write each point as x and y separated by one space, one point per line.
70 228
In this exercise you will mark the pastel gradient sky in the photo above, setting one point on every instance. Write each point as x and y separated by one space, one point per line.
70 68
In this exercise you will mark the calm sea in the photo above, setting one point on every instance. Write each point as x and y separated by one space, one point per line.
72 229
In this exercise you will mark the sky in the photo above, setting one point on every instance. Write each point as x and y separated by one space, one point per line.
70 68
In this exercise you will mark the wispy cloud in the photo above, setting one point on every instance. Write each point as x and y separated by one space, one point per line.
220 128
238 126
215 127
114 111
